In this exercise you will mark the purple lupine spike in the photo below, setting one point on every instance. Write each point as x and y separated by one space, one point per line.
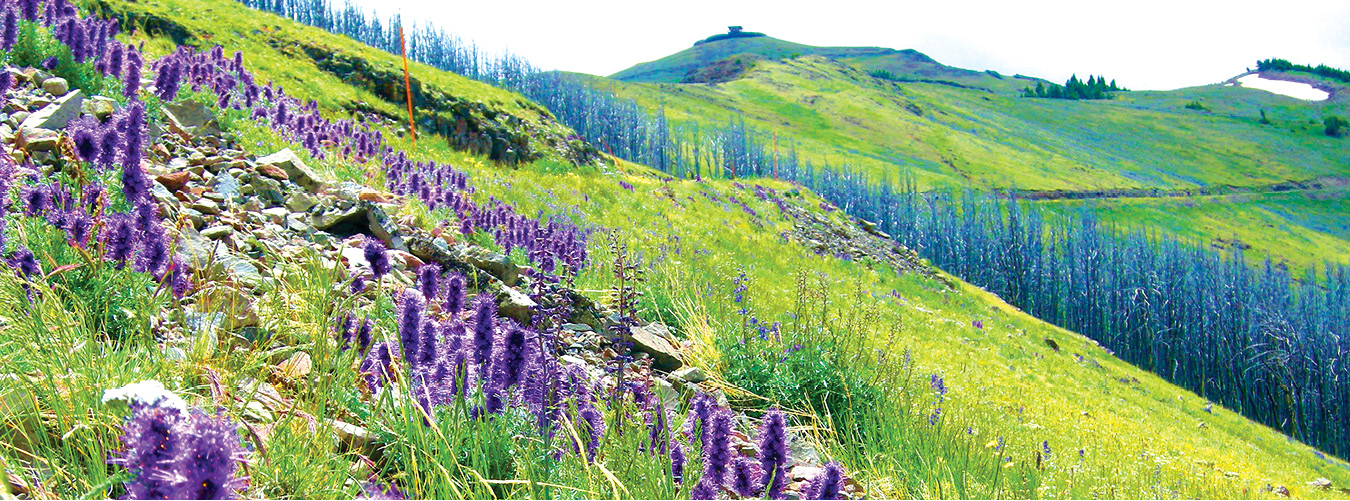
705 489
358 284
485 318
180 278
119 239
410 318
773 452
717 446
209 454
375 366
114 65
427 345
378 258
745 477
131 87
595 427
6 82
677 461
152 445
428 277
108 147
50 63
154 252
374 490
25 263
454 294
134 183
29 9
11 34
78 226
508 360
363 334
87 133
826 484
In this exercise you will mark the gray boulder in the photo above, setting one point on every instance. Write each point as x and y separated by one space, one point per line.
56 115
295 169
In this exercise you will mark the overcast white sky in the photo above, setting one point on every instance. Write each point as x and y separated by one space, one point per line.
1148 44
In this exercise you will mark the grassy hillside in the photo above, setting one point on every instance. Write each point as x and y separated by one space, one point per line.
936 388
907 64
313 64
1302 230
946 136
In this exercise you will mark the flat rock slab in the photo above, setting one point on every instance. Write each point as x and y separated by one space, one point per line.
654 339
56 115
295 169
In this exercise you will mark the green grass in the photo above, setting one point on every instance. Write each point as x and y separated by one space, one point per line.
1302 230
945 136
878 335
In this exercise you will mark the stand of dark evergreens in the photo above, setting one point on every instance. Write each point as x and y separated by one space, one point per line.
1321 69
1250 338
1094 88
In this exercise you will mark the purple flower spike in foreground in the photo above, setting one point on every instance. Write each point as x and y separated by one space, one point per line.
827 484
49 63
410 322
745 477
210 454
378 257
454 294
773 452
677 460
486 318
428 277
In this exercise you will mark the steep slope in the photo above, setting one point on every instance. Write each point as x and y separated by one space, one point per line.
349 77
951 367
1300 230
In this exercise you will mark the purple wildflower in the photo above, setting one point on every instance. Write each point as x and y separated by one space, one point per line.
25 263
154 252
29 9
6 78
377 257
413 306
119 239
11 34
376 491
773 452
677 461
375 366
454 294
180 279
745 477
151 447
210 452
705 489
363 335
132 83
49 63
78 226
427 345
827 484
486 323
358 284
508 360
134 183
717 446
428 276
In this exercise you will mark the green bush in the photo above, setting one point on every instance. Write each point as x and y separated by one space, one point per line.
1335 126
36 43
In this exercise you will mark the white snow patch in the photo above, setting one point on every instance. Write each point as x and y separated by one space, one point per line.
1296 90
149 392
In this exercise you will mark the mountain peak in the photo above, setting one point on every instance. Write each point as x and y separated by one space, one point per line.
732 32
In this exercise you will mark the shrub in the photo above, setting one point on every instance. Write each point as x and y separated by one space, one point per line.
1335 126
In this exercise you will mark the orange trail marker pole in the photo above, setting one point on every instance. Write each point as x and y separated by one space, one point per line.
407 86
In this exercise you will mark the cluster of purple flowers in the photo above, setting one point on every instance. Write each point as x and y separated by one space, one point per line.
546 243
723 467
89 39
939 387
179 454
